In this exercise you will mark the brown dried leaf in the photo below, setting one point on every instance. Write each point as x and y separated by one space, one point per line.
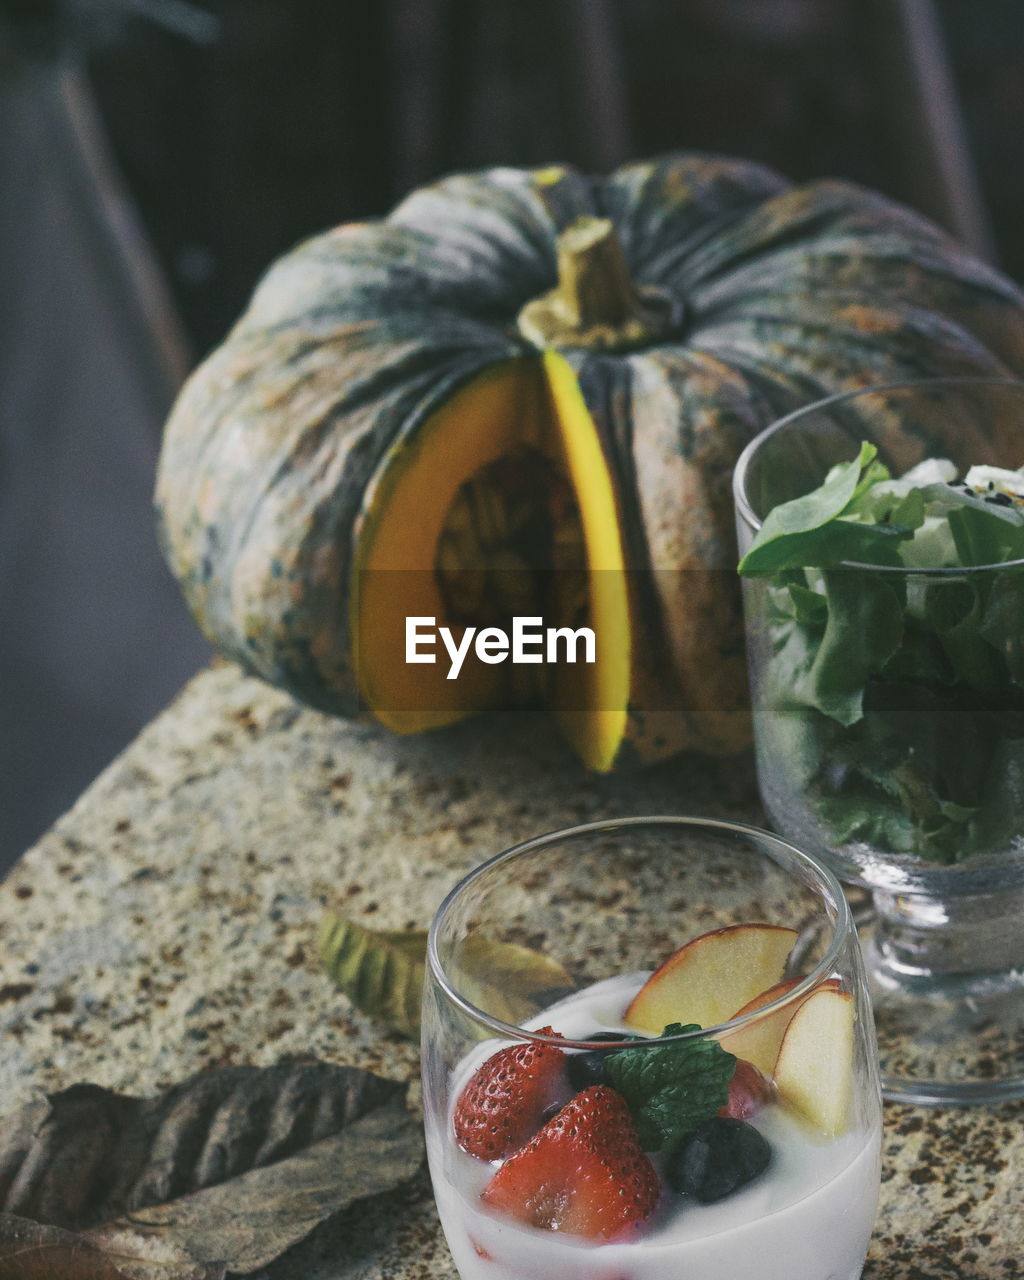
29 1251
253 1219
228 1168
95 1154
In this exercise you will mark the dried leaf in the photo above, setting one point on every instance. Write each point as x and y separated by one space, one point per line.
29 1251
519 981
17 1134
253 1219
381 972
229 1168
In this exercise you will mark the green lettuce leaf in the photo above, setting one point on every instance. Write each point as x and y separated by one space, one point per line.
983 534
864 629
893 704
955 611
811 530
1002 799
1002 622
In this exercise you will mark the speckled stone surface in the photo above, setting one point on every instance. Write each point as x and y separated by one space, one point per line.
168 922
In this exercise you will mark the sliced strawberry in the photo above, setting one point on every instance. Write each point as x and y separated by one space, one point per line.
503 1105
749 1091
584 1173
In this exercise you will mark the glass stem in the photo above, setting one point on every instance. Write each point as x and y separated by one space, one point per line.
975 937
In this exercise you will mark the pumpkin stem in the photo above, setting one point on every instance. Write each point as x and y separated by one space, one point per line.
596 304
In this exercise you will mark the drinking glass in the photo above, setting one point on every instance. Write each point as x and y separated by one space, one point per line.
920 801
559 932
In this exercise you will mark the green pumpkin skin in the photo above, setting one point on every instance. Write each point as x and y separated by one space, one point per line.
281 439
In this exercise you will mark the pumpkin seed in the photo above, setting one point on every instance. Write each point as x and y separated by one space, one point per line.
514 518
490 517
459 519
571 603
512 581
462 586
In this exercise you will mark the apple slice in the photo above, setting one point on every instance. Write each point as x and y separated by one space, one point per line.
759 1041
814 1069
710 977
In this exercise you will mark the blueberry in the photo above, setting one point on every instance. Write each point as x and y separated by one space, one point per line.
587 1068
717 1159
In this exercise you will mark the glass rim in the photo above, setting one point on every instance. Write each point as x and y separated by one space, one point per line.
843 928
746 512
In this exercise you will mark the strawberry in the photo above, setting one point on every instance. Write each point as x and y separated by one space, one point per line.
585 1172
504 1103
749 1091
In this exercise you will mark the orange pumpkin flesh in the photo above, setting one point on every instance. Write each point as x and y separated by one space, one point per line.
517 403
487 419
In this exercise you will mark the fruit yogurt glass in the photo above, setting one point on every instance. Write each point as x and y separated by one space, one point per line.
648 1052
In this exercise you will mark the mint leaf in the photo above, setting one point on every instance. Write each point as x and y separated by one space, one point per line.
672 1089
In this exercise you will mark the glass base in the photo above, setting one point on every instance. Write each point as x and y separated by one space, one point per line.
945 1039
944 953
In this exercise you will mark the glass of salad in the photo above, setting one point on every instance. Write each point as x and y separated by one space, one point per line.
881 536
648 1052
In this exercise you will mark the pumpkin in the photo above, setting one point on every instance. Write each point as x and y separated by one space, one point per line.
524 392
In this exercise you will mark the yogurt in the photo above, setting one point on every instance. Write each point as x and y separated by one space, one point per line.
807 1217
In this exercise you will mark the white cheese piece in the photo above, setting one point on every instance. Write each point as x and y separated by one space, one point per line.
985 480
930 471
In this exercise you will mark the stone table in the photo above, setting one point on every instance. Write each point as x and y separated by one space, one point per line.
168 923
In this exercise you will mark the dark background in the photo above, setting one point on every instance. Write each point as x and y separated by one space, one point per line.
310 112
238 127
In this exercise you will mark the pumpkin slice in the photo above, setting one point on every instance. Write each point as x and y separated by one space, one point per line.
590 701
537 404
490 418
618 711
508 411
